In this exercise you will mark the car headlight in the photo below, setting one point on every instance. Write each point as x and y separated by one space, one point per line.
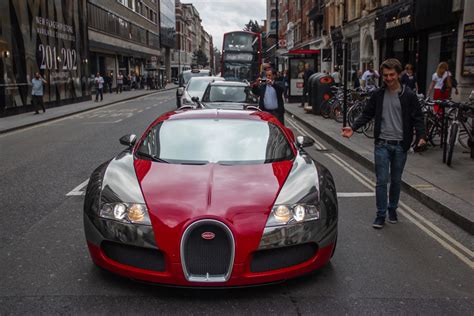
292 214
126 212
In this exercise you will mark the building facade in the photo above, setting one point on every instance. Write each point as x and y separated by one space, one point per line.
167 33
124 36
190 37
49 37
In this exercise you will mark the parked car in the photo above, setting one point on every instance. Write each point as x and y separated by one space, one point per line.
196 87
183 80
212 197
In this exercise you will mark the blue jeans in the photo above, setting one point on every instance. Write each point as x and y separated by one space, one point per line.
389 163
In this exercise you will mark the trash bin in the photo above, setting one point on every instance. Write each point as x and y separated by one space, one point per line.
319 90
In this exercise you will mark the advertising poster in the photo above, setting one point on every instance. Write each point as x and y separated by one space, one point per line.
297 73
49 37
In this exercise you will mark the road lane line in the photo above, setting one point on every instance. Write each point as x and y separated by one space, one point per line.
77 190
302 130
412 211
316 144
405 210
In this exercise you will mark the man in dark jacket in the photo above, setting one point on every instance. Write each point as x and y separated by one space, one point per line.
397 112
270 95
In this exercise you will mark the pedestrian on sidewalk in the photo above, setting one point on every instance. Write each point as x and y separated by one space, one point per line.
119 82
370 78
397 112
271 95
37 84
409 78
99 86
308 72
441 83
336 76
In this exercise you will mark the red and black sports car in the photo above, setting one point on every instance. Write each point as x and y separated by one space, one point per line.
212 198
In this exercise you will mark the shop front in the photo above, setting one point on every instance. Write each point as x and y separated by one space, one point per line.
49 37
407 32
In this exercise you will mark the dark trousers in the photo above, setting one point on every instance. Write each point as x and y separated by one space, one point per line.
37 101
99 91
119 87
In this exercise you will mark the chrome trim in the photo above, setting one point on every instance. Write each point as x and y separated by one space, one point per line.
120 182
207 277
302 184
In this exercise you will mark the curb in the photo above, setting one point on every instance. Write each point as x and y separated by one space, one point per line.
435 205
11 129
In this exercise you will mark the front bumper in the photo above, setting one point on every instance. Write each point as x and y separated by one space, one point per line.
173 274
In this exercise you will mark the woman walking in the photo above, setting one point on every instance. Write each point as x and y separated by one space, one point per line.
441 83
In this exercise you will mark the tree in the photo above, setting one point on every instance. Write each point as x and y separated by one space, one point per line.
253 26
201 58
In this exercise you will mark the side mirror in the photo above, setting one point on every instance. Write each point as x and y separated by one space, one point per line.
195 99
180 91
304 141
128 140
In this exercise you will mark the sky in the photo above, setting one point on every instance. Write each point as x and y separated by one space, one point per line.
221 16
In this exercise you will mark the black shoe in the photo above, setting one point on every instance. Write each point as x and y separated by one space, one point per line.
378 222
37 112
392 216
44 110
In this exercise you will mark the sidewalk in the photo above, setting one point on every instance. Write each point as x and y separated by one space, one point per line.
448 191
14 122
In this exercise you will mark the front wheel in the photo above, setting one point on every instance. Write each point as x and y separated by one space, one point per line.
452 141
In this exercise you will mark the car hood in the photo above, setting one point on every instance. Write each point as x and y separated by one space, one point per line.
241 196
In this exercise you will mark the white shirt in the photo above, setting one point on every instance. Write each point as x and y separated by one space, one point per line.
99 81
439 80
370 79
336 76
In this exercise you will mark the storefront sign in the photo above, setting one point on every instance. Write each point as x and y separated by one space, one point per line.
398 22
468 30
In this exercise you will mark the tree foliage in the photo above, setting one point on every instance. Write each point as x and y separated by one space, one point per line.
253 26
200 58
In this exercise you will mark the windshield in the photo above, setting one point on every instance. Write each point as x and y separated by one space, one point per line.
220 93
198 85
223 141
240 71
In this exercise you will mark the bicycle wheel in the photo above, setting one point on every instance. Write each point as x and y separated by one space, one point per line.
368 129
463 136
326 108
450 145
433 130
338 113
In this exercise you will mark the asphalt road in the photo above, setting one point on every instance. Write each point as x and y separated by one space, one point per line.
422 265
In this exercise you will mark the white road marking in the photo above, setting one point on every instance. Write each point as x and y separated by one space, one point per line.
355 194
455 247
77 190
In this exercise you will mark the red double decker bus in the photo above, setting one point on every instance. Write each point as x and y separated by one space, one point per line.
241 56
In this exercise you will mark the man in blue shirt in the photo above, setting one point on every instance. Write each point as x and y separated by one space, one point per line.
37 92
271 95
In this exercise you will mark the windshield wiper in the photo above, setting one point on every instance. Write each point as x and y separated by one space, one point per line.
152 157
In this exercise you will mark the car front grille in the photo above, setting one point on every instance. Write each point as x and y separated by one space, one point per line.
139 257
278 258
211 259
